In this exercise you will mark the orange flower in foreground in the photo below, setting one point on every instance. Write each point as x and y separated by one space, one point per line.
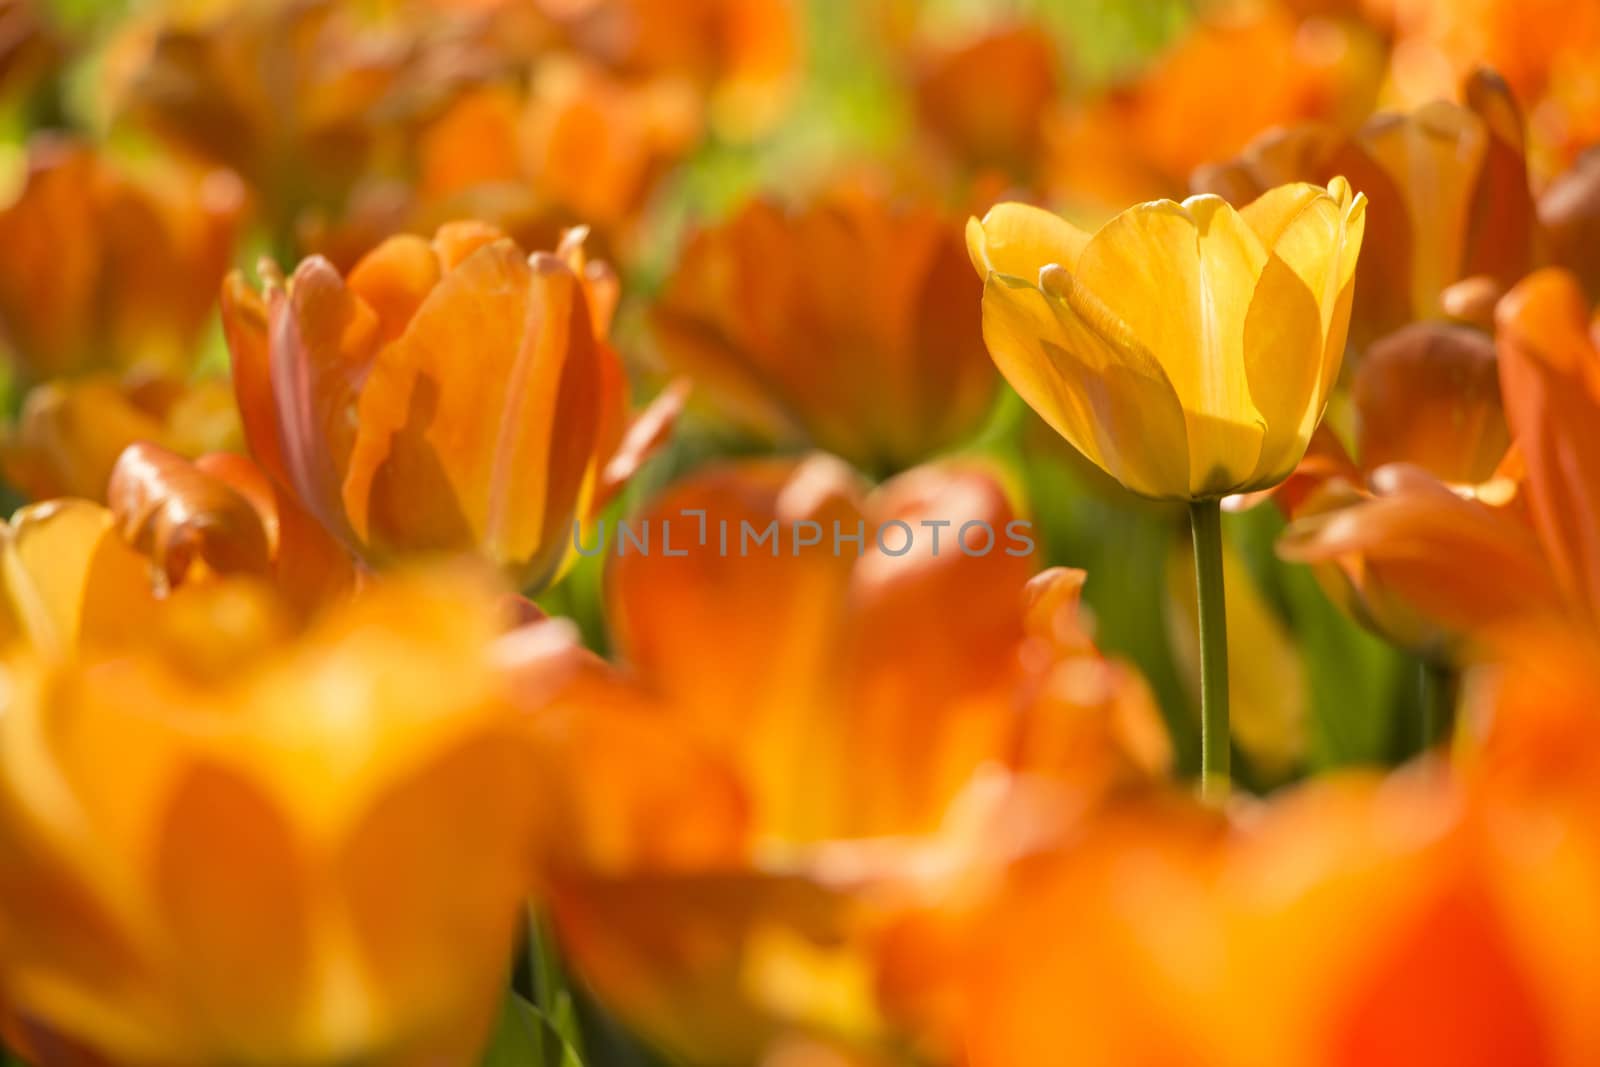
105 267
251 847
446 396
849 324
1356 921
1448 190
733 831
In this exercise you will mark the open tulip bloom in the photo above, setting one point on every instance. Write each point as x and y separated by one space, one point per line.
1186 349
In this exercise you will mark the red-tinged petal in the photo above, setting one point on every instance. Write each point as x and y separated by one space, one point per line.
1550 377
323 341
179 516
244 324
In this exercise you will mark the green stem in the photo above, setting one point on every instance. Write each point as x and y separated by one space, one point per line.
1205 517
1438 703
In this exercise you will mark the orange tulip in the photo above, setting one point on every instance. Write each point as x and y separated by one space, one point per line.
1421 553
1448 189
848 323
985 101
346 84
219 516
718 892
1229 78
453 395
744 54
71 431
1358 920
103 267
582 145
1546 49
248 846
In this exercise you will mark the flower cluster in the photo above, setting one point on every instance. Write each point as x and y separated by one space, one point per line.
779 533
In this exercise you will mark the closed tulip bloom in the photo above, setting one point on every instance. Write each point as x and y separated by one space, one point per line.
448 396
254 847
851 324
1187 349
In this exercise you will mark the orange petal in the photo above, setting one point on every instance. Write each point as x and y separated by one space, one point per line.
179 516
1429 395
498 459
1550 376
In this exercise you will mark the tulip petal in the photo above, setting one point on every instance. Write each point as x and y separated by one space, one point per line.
1092 382
1550 381
1021 240
323 340
503 455
394 279
244 324
1181 278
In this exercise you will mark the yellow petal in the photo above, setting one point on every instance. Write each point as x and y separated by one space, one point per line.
1020 240
1181 277
1090 380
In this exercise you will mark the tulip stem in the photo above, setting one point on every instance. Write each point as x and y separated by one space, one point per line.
1205 517
1438 703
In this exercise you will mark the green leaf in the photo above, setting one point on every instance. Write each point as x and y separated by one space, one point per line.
525 1037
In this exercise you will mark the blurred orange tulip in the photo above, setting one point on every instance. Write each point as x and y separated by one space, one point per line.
252 847
1356 921
71 431
985 100
453 395
1420 557
743 54
1448 190
853 733
581 146
1231 76
347 86
1547 50
104 267
849 323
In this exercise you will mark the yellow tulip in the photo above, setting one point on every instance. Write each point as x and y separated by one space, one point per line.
1187 349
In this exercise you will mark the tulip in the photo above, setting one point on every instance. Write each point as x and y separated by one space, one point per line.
191 75
727 831
742 55
1246 69
1440 937
70 431
104 267
1186 349
848 324
1545 49
252 846
448 396
1450 194
580 145
985 101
